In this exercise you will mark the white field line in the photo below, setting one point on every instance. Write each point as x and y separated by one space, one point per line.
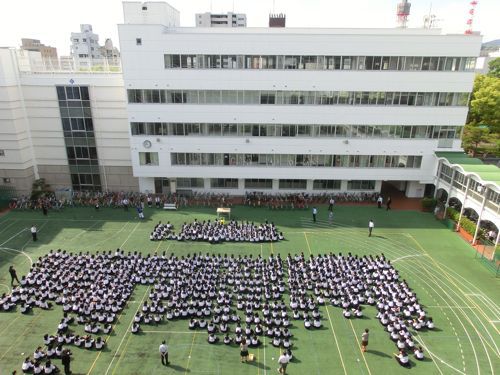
390 248
8 226
128 330
130 234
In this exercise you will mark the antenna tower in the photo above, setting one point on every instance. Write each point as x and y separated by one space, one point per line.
403 11
470 20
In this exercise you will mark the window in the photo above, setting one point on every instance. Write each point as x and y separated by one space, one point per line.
224 183
255 183
2 152
7 180
292 184
326 185
187 183
144 7
138 41
148 158
361 185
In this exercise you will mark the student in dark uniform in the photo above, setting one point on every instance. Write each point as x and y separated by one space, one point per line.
13 275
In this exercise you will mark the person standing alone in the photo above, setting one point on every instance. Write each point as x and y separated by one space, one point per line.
380 200
315 212
13 275
33 232
364 340
164 353
66 361
388 204
283 362
371 225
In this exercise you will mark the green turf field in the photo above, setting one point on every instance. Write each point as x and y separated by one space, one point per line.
455 288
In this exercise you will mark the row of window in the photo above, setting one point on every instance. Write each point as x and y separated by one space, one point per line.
72 92
265 184
476 190
286 160
297 97
78 130
403 63
273 130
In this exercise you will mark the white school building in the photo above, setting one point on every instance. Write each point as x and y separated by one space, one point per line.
230 110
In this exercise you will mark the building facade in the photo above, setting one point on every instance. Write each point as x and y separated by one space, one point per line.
48 53
69 127
229 19
230 110
284 110
85 45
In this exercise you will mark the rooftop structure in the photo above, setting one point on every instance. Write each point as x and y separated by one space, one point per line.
229 19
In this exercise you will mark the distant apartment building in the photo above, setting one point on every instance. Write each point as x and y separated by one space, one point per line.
49 54
86 52
110 52
85 44
221 19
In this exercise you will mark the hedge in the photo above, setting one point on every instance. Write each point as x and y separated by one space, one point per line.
466 224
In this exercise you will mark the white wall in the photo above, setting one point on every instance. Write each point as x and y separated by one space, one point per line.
144 69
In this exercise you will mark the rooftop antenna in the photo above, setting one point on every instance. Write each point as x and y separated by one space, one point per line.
403 11
430 20
470 20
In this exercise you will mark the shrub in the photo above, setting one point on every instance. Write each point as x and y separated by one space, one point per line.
428 204
468 225
452 214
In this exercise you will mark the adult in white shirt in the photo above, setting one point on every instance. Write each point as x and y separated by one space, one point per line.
33 232
371 225
164 353
283 363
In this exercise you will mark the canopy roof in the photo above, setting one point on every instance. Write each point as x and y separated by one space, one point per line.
487 173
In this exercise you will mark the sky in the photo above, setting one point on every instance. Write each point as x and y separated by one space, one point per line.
52 21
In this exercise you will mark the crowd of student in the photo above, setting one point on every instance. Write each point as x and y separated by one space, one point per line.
218 231
240 298
348 282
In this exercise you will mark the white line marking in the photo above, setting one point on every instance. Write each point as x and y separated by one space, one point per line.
407 256
128 330
133 230
20 252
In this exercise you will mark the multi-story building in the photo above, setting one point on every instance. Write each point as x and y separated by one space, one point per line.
110 53
229 19
85 46
69 127
285 109
276 110
48 53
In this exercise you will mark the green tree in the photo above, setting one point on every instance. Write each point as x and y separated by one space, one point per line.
39 188
484 107
473 136
494 68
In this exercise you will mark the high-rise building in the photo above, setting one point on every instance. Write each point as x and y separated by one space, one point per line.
229 19
85 46
48 53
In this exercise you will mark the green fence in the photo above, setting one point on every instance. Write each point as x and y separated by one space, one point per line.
487 253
